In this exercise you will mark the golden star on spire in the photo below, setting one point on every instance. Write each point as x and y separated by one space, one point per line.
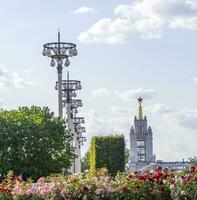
140 112
140 100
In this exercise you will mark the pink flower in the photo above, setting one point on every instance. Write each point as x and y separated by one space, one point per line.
41 180
31 191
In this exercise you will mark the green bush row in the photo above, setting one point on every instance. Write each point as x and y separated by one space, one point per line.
107 152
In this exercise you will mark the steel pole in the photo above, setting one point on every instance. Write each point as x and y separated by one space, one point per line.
59 69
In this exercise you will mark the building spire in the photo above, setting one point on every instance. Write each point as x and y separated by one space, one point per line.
140 112
68 75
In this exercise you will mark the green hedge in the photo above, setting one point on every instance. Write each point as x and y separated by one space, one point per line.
107 152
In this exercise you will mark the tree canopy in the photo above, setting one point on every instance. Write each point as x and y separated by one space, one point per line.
33 142
85 162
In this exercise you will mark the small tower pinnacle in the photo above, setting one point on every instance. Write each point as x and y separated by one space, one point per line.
58 35
140 112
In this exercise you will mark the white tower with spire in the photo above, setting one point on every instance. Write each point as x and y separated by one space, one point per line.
141 141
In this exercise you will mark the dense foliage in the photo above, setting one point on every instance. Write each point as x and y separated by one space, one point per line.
85 162
157 185
33 142
108 152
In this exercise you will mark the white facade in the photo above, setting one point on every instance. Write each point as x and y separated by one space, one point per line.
141 142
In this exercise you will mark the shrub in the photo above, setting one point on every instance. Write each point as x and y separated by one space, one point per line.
107 152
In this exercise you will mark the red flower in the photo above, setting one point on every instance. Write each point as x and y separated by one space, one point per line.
162 188
130 176
161 182
142 178
165 175
150 179
150 190
156 180
158 175
125 189
85 189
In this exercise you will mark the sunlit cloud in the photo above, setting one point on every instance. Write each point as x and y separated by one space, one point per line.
101 92
144 19
136 93
84 9
12 80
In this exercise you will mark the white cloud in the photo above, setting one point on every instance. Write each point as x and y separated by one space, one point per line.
19 82
1 102
120 110
4 77
8 80
136 93
96 125
29 71
176 149
101 92
186 118
107 30
84 9
159 108
128 95
189 23
144 19
195 79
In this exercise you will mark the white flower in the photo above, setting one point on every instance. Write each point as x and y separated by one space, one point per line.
172 187
85 197
182 192
98 191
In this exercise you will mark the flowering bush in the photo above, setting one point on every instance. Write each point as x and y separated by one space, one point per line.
158 185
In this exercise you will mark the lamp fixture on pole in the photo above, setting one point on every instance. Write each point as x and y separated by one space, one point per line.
59 52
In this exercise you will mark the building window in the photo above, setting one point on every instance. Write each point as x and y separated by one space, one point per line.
141 151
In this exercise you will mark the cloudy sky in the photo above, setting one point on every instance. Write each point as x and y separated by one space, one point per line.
127 49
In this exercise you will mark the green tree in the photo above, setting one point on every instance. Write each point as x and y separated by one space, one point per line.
127 155
85 162
33 142
193 161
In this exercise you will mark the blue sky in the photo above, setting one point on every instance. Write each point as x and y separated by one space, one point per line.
126 49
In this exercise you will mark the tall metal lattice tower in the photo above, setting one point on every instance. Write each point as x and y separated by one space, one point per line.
74 123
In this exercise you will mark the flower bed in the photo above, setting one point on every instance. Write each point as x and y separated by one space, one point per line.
159 185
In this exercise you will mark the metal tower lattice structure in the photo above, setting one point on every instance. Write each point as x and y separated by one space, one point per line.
74 123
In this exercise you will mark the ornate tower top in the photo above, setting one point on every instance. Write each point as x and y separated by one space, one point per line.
141 141
140 112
